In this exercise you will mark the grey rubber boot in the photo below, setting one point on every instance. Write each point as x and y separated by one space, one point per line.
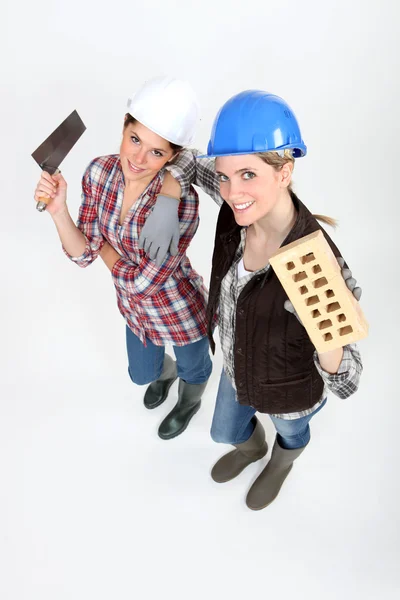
189 401
267 485
158 390
230 465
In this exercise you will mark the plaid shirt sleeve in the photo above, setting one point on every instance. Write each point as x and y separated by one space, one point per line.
345 382
188 169
146 279
88 223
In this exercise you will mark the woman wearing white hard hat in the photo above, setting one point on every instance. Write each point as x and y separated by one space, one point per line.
270 364
160 296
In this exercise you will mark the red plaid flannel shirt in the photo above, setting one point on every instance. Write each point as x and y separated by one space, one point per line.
164 304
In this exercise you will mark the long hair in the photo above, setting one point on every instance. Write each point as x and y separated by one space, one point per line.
276 160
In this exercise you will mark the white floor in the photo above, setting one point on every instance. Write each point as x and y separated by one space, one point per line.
94 505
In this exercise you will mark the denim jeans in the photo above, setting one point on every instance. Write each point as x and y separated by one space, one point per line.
146 362
233 423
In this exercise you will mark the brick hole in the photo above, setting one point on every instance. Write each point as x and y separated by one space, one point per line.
325 324
312 300
341 318
345 330
328 337
329 294
303 289
315 313
320 282
333 306
316 269
290 265
307 258
300 276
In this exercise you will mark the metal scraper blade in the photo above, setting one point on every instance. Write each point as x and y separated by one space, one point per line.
50 154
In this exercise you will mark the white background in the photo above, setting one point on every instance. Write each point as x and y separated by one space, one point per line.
92 503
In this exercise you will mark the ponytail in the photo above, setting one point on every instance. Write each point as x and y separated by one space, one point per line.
327 220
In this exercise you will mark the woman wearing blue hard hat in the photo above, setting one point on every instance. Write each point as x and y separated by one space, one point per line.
270 364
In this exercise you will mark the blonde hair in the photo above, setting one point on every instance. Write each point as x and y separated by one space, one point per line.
276 160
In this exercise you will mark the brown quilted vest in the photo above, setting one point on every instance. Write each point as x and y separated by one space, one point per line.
273 355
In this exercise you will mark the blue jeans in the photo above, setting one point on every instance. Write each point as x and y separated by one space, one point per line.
233 423
146 362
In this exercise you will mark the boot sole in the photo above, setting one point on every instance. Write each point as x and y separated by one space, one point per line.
171 437
150 407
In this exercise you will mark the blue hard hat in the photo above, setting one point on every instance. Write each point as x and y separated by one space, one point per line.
255 121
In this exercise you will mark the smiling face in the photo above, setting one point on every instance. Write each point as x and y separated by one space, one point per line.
250 186
143 153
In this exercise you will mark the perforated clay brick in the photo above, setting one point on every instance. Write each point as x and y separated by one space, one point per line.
310 274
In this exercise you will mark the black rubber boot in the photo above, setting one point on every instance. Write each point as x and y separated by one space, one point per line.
157 391
189 401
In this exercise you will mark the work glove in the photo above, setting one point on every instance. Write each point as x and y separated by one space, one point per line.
160 233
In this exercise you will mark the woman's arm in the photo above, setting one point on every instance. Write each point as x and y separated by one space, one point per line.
55 188
161 231
88 225
109 256
345 380
146 279
187 169
330 361
72 239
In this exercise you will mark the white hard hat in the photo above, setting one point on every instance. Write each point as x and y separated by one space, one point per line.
168 107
